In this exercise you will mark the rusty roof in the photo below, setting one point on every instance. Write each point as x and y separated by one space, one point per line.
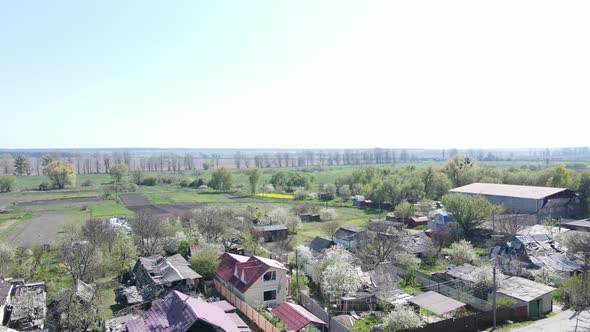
295 316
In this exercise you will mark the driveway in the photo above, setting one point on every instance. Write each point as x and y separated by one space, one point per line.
564 321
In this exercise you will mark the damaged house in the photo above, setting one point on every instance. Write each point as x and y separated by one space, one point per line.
529 252
28 308
159 274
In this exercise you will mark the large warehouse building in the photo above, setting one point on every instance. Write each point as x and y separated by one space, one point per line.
543 201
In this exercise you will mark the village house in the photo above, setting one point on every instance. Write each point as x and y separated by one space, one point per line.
270 233
351 237
525 253
178 312
544 202
440 221
159 274
418 243
255 280
28 307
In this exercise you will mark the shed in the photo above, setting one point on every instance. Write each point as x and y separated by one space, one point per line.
578 225
350 237
309 217
295 316
537 296
437 303
319 244
271 233
416 221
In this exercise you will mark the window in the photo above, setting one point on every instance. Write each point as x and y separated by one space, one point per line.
270 295
271 275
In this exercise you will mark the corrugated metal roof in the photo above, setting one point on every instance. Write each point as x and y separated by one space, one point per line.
295 316
435 302
270 228
507 190
524 289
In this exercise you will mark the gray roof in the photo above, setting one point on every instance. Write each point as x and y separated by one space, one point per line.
270 228
318 244
507 190
348 232
435 302
85 291
168 269
524 289
585 223
462 272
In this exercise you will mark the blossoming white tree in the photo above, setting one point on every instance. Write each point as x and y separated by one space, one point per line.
401 318
340 278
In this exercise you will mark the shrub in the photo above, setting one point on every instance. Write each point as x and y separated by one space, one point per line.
86 183
7 183
44 186
402 317
544 275
299 194
462 252
197 183
185 183
328 214
150 181
205 263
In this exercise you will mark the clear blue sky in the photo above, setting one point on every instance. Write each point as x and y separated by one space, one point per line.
298 74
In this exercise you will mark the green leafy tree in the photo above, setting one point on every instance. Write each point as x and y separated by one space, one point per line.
561 177
468 211
118 172
21 165
7 183
123 254
404 210
254 175
461 170
61 174
205 263
222 180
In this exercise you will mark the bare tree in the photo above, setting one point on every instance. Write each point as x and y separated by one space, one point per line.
330 227
98 232
80 259
212 222
150 232
509 224
382 245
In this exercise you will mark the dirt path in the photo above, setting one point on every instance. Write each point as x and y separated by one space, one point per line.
564 321
60 201
42 229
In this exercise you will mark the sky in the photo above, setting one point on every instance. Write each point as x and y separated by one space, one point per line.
294 74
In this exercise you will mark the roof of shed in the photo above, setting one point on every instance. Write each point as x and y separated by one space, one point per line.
507 190
319 243
270 228
524 289
435 302
295 316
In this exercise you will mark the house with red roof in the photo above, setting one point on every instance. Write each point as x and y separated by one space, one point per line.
255 280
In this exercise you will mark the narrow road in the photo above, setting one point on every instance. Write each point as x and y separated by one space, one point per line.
564 321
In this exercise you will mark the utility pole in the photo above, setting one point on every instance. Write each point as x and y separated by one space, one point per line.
297 268
494 295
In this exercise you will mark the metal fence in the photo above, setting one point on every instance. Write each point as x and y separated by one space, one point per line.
315 308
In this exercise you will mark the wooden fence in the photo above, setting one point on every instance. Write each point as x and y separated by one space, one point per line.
247 310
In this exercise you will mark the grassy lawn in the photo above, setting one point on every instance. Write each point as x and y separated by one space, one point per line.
109 209
365 324
9 221
53 273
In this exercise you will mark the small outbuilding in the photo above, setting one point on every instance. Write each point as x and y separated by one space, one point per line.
295 316
309 217
271 233
319 244
536 296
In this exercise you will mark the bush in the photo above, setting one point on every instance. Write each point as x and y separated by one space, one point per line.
150 181
7 183
299 195
185 183
205 263
197 183
462 252
86 183
44 186
111 191
167 180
